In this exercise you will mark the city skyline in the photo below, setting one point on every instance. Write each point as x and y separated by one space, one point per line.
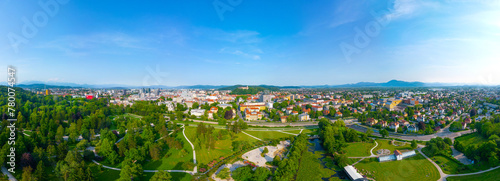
273 43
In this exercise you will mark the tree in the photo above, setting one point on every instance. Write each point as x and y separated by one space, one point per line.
224 173
473 112
264 151
243 174
82 144
421 125
448 141
130 170
341 160
89 175
414 144
39 172
27 176
27 160
369 132
154 151
384 133
161 176
106 147
228 114
261 174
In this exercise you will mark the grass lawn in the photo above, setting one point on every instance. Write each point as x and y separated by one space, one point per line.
311 169
359 149
223 148
469 139
491 175
268 134
305 131
132 115
414 168
106 174
175 159
386 144
448 165
243 137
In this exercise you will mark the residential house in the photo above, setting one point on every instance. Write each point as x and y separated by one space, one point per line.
214 109
304 117
382 123
338 114
412 128
371 121
197 112
283 119
394 125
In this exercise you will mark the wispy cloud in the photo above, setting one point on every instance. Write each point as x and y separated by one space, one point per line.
402 8
241 36
81 45
253 56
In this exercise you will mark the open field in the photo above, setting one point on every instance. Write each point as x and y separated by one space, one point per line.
469 139
414 168
311 168
268 134
491 175
448 165
386 144
359 149
174 158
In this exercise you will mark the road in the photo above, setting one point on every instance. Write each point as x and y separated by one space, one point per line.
444 133
6 172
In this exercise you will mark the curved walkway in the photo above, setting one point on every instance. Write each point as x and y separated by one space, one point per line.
465 174
441 173
192 146
195 170
444 175
371 153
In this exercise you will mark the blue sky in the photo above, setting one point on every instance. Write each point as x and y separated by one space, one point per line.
251 42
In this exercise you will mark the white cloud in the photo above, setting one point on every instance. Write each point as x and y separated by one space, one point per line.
401 8
102 42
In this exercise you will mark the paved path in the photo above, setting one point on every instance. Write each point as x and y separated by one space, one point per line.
358 161
444 175
441 173
251 136
371 153
465 174
6 172
287 133
113 168
445 133
195 170
192 146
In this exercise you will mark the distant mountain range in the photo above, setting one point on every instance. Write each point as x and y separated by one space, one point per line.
392 83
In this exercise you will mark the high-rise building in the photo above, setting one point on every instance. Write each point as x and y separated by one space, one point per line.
47 92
